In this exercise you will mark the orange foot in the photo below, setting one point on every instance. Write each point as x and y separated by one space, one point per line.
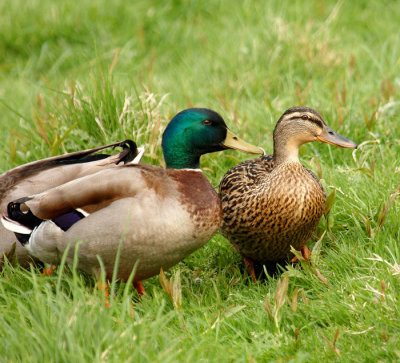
106 294
248 262
103 286
48 270
305 252
139 288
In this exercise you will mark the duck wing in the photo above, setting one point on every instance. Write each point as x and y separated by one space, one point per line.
89 193
43 174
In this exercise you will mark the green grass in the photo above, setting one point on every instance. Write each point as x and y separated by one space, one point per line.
131 66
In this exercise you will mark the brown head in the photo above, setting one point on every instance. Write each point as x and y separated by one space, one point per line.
299 125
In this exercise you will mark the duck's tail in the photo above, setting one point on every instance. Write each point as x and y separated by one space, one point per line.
24 223
22 232
14 226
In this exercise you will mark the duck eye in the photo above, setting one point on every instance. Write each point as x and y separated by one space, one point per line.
305 117
206 122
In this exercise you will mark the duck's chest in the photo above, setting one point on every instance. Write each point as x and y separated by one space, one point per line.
200 201
293 192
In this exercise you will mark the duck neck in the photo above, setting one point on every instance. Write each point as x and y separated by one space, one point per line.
286 150
180 159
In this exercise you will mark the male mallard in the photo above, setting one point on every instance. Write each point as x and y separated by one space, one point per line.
273 202
155 216
41 175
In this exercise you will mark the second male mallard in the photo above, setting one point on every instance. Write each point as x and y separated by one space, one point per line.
273 202
42 175
155 216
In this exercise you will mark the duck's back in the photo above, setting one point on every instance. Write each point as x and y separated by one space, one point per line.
268 208
245 176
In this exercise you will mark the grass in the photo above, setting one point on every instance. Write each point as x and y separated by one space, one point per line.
74 77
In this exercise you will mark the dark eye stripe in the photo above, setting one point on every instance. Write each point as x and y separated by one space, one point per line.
317 122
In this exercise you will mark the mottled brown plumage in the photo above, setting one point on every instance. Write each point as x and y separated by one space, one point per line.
273 202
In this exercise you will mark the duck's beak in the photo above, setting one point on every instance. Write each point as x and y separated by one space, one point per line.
233 142
331 137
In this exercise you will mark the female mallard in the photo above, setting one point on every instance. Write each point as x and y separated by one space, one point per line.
273 202
155 216
41 175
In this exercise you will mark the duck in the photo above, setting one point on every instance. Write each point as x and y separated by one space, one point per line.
40 175
153 216
273 202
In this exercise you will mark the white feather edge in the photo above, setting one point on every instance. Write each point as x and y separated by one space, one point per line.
139 156
80 210
14 226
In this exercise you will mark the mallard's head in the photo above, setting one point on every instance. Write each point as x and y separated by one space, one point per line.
197 131
299 125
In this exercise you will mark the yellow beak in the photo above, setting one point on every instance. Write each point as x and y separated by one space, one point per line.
233 142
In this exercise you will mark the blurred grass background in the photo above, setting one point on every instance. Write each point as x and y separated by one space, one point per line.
77 75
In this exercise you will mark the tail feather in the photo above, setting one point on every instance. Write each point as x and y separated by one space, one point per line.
22 224
129 152
14 226
27 219
22 232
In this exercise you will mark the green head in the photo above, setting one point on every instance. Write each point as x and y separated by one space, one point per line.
197 131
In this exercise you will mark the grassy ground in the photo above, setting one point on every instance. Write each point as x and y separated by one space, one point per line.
76 76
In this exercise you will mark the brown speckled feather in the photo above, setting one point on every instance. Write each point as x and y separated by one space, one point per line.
267 209
273 202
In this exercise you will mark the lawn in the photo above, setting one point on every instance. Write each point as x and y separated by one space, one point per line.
77 75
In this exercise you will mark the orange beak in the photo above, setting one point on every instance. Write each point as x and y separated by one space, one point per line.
331 137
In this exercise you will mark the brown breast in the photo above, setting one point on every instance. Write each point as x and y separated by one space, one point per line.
198 197
269 209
